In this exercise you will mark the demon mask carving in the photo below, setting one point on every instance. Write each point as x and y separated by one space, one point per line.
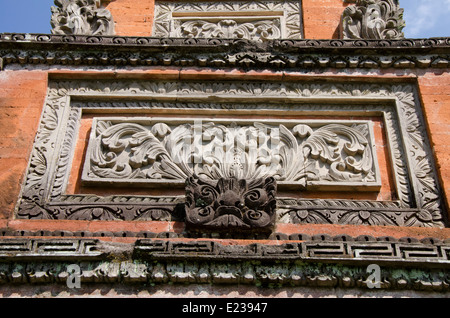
230 204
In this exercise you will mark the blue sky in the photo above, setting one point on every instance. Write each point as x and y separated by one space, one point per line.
424 18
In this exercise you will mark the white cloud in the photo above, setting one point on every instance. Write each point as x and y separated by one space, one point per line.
426 18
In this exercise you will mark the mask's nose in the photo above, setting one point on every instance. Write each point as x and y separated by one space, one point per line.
230 198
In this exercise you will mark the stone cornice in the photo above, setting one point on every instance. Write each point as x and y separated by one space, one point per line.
285 54
405 252
333 264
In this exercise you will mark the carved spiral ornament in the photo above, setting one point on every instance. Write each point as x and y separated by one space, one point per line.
373 19
81 17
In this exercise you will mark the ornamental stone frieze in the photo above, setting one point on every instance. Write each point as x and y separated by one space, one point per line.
30 50
310 154
373 19
83 17
339 262
336 155
260 20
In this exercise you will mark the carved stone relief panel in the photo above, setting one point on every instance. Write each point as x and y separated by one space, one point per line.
326 149
332 155
84 17
373 19
252 20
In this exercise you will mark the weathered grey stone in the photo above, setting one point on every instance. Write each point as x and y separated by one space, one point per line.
405 266
231 204
324 155
373 19
138 52
84 17
260 20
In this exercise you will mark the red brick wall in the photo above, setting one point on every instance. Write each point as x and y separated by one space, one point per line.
22 95
321 18
132 17
435 93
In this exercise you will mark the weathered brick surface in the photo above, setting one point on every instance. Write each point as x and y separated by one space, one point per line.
89 226
434 91
131 17
357 230
321 18
22 95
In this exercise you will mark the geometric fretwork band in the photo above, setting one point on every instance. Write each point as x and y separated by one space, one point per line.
342 249
343 264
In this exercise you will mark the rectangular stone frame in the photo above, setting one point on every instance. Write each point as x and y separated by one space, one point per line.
43 195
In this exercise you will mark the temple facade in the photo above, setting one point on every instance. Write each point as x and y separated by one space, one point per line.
207 148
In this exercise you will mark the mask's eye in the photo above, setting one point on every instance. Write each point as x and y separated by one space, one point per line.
200 203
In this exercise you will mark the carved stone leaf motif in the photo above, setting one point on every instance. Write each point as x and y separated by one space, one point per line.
373 19
83 17
129 147
332 152
325 144
342 212
256 30
255 20
230 203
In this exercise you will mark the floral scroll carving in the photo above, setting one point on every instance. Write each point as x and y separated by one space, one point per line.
373 19
126 151
258 21
81 17
231 204
257 30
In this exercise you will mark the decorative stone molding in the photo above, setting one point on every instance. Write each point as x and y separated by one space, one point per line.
330 155
21 249
231 204
258 30
85 17
419 198
259 20
373 19
31 50
340 251
343 264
